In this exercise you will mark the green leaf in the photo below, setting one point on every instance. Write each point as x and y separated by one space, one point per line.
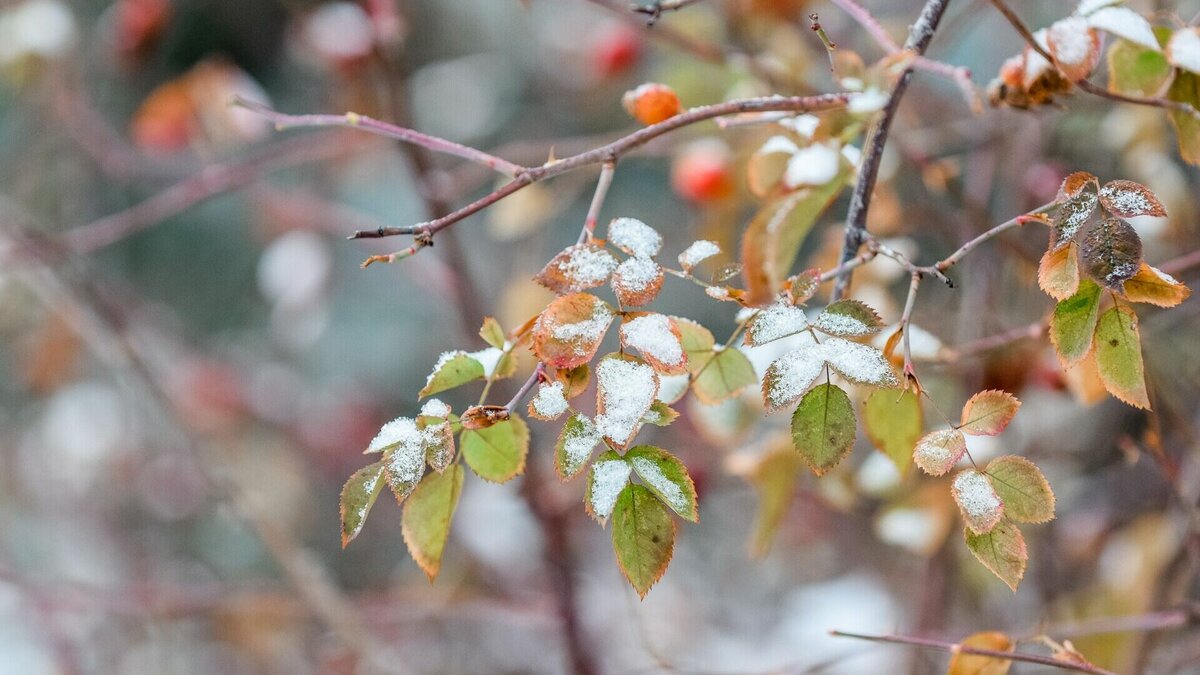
1135 70
575 380
575 444
1023 489
660 415
666 477
643 537
823 427
425 523
497 453
1074 322
1119 356
358 496
452 369
987 413
1002 551
697 342
775 480
723 374
606 480
492 333
1186 89
893 421
848 318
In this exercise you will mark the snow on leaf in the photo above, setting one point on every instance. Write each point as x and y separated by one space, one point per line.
777 321
634 237
1087 7
1058 271
1155 287
848 318
452 370
404 456
698 252
438 439
1074 46
574 447
1125 23
578 268
1023 489
1119 356
988 412
568 332
667 478
790 376
495 362
606 480
1111 252
866 102
358 496
497 453
549 403
625 390
1126 199
643 537
1074 322
1183 50
435 408
859 363
425 523
637 281
671 388
393 433
1071 216
1002 550
824 427
817 164
659 342
977 499
937 452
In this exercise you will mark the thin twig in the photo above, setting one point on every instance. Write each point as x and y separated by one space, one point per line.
656 9
964 250
955 648
910 373
870 23
593 214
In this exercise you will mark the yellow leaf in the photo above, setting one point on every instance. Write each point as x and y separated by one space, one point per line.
974 664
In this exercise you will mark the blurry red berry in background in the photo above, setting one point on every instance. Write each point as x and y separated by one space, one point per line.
616 49
701 173
166 120
651 103
139 25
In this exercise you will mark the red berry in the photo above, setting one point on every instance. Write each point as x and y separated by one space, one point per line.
652 103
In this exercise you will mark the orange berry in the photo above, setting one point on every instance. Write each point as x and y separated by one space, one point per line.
652 103
701 172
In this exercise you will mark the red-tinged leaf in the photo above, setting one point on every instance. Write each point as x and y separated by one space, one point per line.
568 332
824 427
1155 287
578 268
804 285
1024 490
988 412
358 496
1058 272
634 237
483 416
625 390
425 523
637 282
643 537
1074 322
1002 550
937 452
549 403
1126 199
1119 356
575 380
1070 218
667 478
980 505
973 664
1075 183
1074 46
658 340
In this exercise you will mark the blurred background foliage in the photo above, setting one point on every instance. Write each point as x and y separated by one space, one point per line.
193 360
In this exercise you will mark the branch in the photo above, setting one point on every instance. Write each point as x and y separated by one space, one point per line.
655 9
868 172
593 214
955 648
869 23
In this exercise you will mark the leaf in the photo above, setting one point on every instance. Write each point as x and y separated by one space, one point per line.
452 369
1002 551
1183 49
1126 199
697 252
358 496
575 444
1073 323
1070 218
823 427
859 363
1074 46
697 342
492 333
577 268
660 414
425 523
937 452
775 480
568 332
723 374
803 286
549 403
637 282
893 421
625 390
1058 272
988 412
1021 486
497 453
657 340
575 380
1185 88
643 537
848 318
605 483
778 321
1075 183
438 438
1119 356
773 238
1124 23
790 375
667 478
634 237
1136 71
1153 286
974 664
980 505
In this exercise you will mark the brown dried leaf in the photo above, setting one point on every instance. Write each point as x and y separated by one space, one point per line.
637 282
568 332
1111 252
1075 183
577 268
1126 199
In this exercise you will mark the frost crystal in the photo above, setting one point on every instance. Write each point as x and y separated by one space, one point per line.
586 266
1126 23
626 390
777 321
653 475
634 237
636 274
608 479
698 252
652 336
975 494
1126 201
587 332
815 165
435 408
1184 49
550 402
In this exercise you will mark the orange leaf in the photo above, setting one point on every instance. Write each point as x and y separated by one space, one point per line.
1153 286
1058 273
988 412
